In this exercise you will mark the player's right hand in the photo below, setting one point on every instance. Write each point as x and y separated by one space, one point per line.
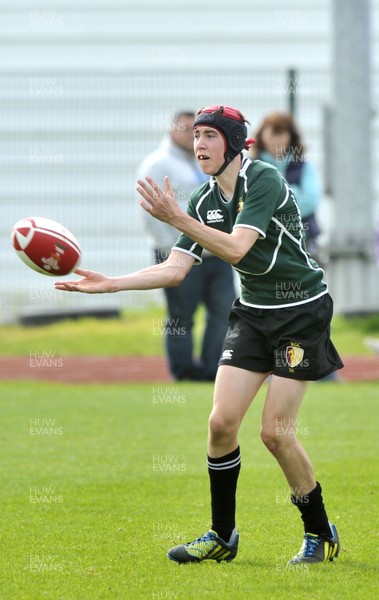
91 283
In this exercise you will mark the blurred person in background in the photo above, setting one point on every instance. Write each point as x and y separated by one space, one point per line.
210 284
278 141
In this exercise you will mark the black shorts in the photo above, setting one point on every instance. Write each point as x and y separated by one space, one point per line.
291 342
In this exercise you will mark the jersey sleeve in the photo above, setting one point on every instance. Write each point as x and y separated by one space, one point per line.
265 194
186 244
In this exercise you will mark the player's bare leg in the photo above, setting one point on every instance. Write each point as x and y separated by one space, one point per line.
234 391
279 424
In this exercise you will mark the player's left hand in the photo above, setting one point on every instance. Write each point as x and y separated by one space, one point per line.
160 203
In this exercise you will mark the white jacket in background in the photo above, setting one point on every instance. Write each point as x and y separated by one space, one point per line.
185 175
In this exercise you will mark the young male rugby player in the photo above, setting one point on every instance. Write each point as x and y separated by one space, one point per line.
280 326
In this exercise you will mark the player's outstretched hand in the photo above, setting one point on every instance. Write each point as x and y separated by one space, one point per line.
92 283
160 203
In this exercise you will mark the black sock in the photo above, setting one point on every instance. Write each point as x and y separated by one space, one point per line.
223 475
313 512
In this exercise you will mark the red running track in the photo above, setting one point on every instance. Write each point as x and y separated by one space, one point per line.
118 369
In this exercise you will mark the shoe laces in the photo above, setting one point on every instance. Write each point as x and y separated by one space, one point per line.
310 545
206 537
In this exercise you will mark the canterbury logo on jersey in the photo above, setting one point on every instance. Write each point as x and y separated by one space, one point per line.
215 216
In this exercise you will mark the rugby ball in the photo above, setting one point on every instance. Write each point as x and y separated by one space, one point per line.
45 246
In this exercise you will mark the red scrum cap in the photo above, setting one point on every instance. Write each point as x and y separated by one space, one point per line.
231 124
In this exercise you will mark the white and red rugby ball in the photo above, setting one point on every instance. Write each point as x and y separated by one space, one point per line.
46 246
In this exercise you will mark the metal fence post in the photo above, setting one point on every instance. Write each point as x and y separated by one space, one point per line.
353 275
292 89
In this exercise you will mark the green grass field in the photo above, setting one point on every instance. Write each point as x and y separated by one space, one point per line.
98 482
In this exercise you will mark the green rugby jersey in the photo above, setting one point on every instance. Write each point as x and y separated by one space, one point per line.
277 271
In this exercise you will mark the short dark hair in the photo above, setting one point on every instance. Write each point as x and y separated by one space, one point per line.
182 113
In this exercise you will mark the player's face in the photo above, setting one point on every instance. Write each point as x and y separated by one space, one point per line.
276 143
209 148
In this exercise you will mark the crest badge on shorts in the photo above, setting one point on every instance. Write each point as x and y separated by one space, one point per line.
294 355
